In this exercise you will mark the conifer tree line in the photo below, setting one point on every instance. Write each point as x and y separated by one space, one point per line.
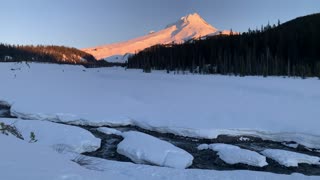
289 49
43 54
48 54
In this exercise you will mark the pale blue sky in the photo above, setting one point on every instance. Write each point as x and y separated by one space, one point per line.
86 23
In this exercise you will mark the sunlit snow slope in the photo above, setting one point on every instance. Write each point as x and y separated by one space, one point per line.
188 27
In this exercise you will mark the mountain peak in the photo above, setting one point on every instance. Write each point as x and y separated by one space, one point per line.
193 20
189 27
192 17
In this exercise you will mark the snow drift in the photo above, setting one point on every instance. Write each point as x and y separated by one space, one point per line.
143 148
233 154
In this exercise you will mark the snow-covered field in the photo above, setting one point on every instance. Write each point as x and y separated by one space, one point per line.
276 108
273 108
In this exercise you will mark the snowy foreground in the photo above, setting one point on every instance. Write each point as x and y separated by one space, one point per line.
23 160
278 109
57 136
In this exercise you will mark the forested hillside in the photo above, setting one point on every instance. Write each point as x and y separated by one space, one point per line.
54 54
49 54
292 49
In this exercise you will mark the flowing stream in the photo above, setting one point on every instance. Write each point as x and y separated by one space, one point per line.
204 159
207 159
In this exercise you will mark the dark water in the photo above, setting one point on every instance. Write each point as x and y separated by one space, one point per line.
5 110
207 159
204 159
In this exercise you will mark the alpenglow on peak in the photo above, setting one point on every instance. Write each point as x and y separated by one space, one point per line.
186 28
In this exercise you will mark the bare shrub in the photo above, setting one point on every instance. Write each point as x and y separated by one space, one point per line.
10 129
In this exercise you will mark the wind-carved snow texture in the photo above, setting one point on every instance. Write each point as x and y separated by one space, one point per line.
145 149
233 154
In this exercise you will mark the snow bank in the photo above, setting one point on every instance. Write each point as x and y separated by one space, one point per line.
233 154
22 160
143 148
137 171
58 136
288 158
109 131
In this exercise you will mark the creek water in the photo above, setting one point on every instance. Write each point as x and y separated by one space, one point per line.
208 159
203 159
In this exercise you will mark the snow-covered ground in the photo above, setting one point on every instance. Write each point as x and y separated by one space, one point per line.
288 158
143 148
23 160
274 108
283 109
57 136
233 154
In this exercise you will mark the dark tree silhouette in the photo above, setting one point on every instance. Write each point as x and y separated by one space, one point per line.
290 49
49 54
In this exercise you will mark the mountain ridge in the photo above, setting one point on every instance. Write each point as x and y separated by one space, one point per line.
186 28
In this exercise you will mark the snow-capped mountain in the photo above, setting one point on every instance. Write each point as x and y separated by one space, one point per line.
189 27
